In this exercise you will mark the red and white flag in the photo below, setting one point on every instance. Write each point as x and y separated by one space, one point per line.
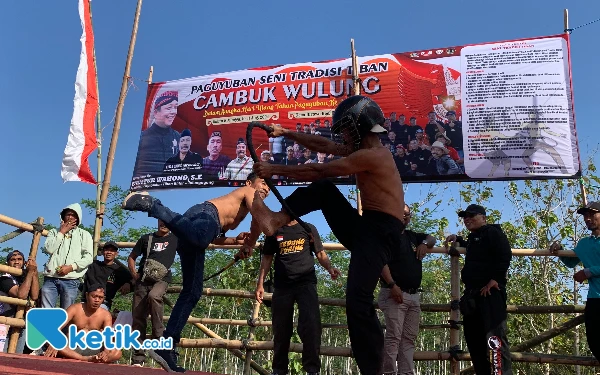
82 135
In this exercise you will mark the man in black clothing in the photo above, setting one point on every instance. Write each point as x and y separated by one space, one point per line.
403 131
295 281
483 304
454 132
148 295
185 159
433 127
107 273
399 299
160 141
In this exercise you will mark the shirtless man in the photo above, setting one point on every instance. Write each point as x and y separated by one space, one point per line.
199 226
369 237
88 316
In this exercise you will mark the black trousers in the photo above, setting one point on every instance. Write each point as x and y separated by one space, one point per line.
370 238
309 326
592 325
485 333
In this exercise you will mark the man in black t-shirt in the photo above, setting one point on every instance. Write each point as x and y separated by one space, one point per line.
148 295
107 273
295 281
399 299
25 286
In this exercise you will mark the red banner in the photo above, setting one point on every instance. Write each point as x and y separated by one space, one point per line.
193 131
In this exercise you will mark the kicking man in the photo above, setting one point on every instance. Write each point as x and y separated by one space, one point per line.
370 237
199 226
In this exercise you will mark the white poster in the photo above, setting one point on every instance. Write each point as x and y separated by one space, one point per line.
517 111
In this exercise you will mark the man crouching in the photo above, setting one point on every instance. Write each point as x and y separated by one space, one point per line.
88 316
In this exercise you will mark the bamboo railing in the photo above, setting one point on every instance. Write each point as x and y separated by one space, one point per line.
249 345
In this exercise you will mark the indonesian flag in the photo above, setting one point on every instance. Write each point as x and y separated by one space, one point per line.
82 135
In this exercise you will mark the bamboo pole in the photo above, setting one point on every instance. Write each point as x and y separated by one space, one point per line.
11 235
255 312
268 323
418 356
13 301
11 270
207 331
118 115
19 224
340 302
548 334
97 223
454 314
13 322
16 331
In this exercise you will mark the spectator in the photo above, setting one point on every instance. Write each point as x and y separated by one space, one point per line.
88 316
70 249
399 299
295 282
321 158
148 295
108 274
25 286
483 304
588 253
444 163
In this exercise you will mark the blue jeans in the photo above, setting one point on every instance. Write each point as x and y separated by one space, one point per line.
195 230
53 287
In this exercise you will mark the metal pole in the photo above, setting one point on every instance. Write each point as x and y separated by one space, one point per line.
355 91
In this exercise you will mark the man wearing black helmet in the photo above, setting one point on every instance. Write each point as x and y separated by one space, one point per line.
371 236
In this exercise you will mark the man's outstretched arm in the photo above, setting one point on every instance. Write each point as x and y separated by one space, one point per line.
313 142
359 161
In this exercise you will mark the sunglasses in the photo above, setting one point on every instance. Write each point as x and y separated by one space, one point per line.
469 215
407 215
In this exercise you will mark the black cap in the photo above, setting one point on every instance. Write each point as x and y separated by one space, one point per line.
590 207
110 244
472 209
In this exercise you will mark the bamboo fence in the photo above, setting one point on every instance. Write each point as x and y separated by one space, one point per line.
249 345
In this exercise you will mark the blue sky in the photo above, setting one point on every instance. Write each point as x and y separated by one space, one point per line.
40 54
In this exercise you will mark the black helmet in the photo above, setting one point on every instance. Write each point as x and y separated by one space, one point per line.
360 115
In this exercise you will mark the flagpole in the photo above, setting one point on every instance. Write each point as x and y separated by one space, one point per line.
97 228
355 91
115 133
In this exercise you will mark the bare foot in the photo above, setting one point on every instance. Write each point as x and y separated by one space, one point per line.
268 221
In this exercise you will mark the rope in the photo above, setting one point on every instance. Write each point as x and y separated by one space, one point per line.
579 27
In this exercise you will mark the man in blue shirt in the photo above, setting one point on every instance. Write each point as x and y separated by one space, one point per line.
588 253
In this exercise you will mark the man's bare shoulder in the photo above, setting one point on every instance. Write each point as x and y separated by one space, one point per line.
76 308
373 155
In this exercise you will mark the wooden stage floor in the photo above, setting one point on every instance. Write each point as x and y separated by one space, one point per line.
15 364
